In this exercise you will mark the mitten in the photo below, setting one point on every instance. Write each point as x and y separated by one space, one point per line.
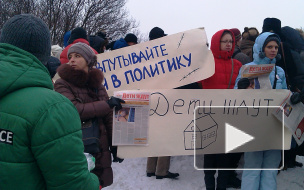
296 97
115 102
243 83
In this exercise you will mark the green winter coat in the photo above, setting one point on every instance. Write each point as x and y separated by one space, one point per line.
40 130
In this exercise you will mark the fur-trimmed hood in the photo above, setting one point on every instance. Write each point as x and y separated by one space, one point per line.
80 78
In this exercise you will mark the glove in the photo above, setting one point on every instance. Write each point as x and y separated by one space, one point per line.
115 102
296 97
243 83
114 154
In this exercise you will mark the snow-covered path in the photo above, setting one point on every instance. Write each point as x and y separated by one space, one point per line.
131 174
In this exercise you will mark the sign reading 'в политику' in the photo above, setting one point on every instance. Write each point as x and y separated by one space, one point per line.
164 63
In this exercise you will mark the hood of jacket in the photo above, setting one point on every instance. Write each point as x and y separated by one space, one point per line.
293 38
216 46
258 49
20 69
95 42
80 78
121 43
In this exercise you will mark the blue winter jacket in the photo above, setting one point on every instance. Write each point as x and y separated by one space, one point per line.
121 43
257 60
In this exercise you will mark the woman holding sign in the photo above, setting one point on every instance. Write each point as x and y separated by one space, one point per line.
226 71
82 84
265 51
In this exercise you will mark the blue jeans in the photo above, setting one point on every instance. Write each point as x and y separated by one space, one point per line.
261 179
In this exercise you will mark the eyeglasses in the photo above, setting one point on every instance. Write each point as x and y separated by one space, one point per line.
226 42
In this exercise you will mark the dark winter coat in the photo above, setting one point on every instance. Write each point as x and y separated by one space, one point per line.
64 54
96 43
293 38
288 65
246 48
223 65
81 87
45 150
295 43
240 56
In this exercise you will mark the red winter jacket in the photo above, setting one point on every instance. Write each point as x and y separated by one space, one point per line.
223 65
64 54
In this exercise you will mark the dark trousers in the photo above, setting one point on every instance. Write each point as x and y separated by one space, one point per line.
234 162
216 161
290 155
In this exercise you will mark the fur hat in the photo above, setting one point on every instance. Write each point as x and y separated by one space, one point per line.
78 33
156 32
85 51
131 38
272 25
29 33
56 51
237 34
250 33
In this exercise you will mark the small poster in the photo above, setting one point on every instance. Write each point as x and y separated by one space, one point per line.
130 124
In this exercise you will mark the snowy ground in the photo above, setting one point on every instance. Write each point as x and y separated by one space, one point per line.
131 174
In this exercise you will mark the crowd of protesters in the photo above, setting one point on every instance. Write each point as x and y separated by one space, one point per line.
51 96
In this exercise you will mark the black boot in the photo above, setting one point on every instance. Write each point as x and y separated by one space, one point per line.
234 182
298 164
150 174
169 175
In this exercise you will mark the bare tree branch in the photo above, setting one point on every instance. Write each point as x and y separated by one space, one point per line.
64 15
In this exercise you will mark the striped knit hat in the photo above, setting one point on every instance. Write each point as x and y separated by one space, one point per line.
85 51
29 33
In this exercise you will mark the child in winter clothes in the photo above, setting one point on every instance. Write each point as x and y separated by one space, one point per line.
265 51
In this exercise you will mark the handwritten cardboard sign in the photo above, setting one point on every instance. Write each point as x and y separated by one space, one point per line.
163 63
171 122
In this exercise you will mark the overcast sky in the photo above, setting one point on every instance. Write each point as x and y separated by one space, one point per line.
175 16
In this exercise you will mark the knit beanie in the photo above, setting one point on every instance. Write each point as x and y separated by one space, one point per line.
85 51
77 33
29 33
56 50
156 32
272 25
52 64
270 38
237 33
131 38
